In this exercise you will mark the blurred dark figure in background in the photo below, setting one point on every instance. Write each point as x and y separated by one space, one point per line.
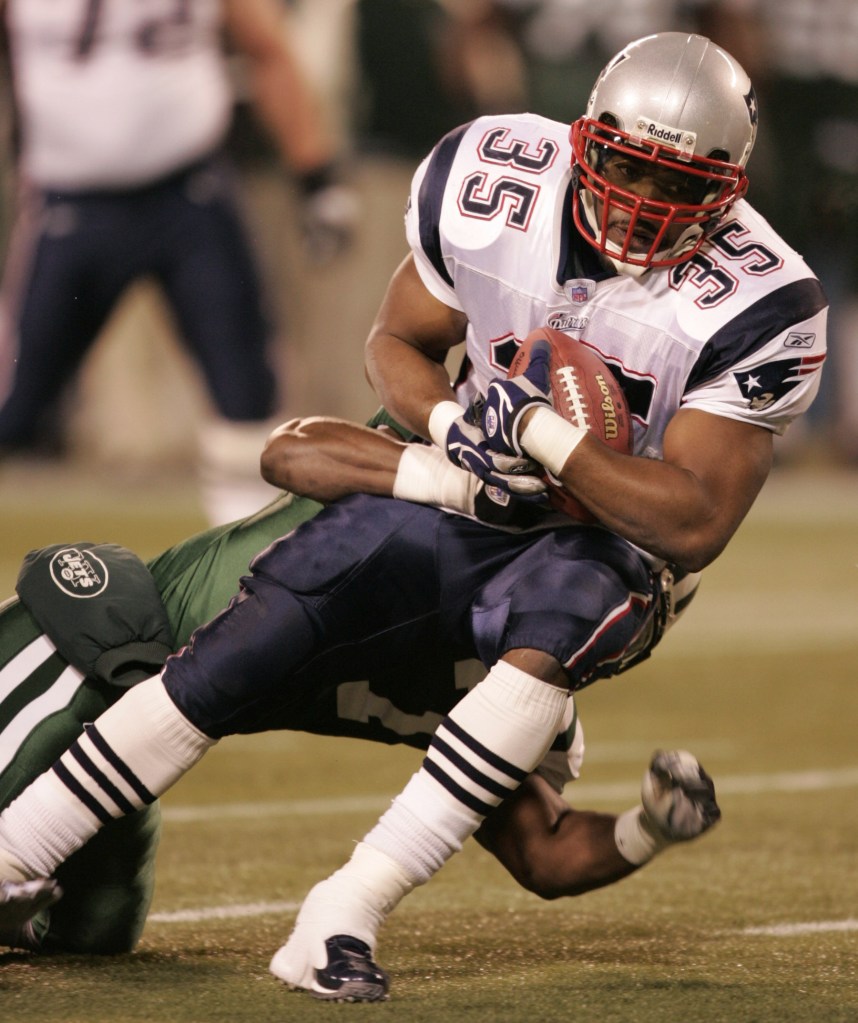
804 57
121 110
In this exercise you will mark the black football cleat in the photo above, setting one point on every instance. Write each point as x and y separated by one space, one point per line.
351 975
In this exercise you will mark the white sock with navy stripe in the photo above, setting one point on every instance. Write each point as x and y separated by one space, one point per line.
131 755
462 779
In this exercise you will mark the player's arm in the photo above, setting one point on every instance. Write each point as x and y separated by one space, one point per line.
412 334
325 458
293 116
286 104
683 508
550 848
405 354
553 850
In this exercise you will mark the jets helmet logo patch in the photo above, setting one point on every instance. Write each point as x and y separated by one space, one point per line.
78 573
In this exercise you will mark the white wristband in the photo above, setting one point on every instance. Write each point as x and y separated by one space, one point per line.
550 440
441 418
635 841
426 476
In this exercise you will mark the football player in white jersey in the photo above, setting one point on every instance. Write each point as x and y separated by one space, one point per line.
64 659
123 109
631 234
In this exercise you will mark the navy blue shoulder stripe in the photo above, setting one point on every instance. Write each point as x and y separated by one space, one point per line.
755 327
431 198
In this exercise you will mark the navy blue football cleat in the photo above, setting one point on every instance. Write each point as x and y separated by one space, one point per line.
351 975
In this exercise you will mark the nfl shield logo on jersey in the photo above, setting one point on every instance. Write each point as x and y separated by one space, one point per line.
579 291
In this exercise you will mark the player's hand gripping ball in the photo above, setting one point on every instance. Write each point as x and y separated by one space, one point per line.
586 393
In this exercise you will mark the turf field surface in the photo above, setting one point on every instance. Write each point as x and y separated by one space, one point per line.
756 922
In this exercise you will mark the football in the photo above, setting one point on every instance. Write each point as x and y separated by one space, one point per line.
586 393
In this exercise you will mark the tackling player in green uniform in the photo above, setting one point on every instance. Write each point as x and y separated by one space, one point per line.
62 662
45 701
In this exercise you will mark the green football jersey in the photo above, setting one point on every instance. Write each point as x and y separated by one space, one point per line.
45 703
199 576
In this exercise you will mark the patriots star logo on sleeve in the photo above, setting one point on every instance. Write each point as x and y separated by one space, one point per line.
764 385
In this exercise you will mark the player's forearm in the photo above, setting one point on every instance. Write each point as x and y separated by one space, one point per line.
549 848
291 114
407 347
285 101
683 508
659 507
326 459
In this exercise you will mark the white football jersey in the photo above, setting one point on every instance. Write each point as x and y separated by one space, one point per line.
738 330
117 93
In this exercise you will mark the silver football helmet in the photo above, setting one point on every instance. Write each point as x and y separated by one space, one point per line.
659 156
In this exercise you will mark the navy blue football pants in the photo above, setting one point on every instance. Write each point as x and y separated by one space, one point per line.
71 257
373 587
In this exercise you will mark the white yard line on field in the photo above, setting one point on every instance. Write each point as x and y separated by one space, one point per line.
796 930
251 909
280 808
748 784
237 912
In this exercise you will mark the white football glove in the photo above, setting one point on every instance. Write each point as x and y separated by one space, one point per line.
678 797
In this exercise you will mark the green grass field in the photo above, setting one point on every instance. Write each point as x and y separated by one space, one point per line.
755 923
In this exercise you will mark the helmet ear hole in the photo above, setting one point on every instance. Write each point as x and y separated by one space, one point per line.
719 154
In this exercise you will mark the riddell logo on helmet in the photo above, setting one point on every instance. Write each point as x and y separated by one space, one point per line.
656 132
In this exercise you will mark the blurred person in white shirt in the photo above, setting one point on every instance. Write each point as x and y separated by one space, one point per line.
122 112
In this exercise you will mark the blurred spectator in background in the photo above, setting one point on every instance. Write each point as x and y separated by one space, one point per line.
804 59
427 66
121 110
